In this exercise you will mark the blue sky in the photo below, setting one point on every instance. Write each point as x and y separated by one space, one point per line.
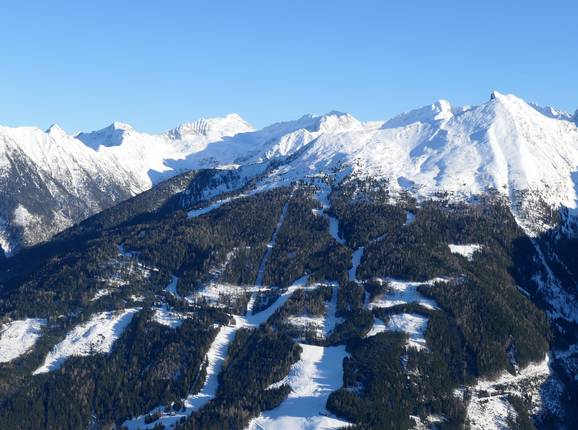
156 64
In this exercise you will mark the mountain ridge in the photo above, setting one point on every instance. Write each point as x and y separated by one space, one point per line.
504 144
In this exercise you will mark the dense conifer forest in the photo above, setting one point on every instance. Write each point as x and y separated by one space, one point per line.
481 318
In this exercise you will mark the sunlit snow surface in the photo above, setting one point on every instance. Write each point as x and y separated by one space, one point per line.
92 337
413 325
404 292
312 379
18 337
409 218
215 358
466 251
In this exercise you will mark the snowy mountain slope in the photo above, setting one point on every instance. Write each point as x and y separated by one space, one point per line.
527 153
57 180
504 144
49 180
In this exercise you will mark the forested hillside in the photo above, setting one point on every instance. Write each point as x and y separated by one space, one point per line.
318 303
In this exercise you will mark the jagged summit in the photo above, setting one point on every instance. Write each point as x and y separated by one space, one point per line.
230 125
55 129
441 110
111 135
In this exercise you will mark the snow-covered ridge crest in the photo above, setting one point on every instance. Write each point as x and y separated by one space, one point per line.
504 145
526 153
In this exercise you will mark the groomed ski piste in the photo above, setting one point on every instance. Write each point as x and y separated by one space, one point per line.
322 196
312 379
95 336
18 337
215 358
315 360
319 370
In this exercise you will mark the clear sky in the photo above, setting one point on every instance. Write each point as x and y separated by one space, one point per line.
155 64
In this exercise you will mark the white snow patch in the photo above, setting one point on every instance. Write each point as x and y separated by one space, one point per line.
465 250
312 379
315 324
413 324
377 327
490 413
18 337
168 317
95 336
101 293
22 217
217 204
404 292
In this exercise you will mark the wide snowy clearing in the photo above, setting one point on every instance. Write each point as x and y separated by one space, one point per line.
465 250
413 325
18 337
312 379
95 336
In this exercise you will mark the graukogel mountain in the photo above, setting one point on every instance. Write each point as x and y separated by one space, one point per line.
419 272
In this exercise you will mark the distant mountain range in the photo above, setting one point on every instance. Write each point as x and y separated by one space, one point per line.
50 180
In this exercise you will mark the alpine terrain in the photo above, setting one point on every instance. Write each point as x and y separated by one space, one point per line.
321 273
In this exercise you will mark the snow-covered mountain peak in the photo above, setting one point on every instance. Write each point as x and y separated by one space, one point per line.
109 136
56 131
212 128
117 125
504 144
335 121
439 111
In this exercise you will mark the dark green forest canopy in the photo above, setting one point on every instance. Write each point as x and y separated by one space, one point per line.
480 317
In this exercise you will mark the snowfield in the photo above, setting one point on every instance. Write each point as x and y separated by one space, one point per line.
18 337
95 336
377 327
466 251
312 379
413 325
404 292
